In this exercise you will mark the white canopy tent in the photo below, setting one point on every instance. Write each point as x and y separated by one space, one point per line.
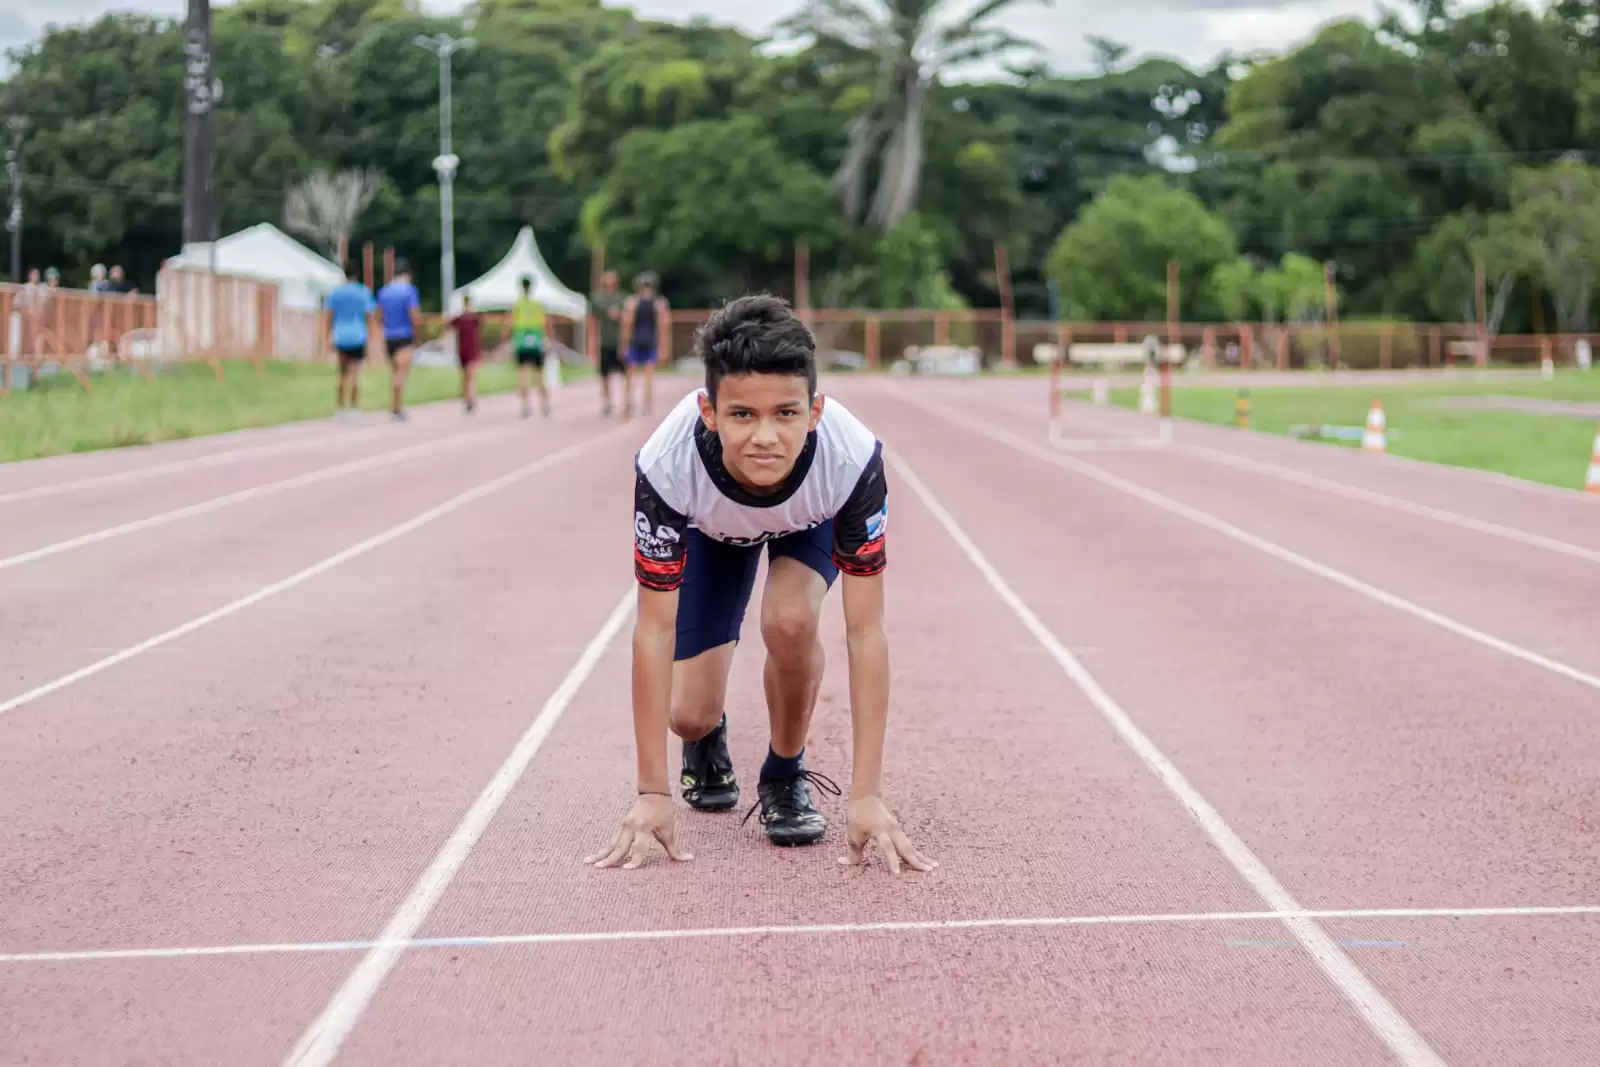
502 285
266 253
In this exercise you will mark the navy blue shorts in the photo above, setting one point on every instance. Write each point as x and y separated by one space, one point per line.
718 579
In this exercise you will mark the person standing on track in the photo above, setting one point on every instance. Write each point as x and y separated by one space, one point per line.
347 310
758 458
644 317
468 326
608 303
528 342
402 322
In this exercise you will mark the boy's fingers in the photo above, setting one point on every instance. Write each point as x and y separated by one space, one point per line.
886 846
909 851
636 854
669 841
618 850
608 847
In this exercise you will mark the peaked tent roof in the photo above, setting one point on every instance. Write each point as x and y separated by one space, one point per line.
267 253
502 285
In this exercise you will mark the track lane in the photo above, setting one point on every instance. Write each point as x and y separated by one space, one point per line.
85 471
77 607
1484 496
36 521
1538 600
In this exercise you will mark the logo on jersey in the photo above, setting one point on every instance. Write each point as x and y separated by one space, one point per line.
765 536
652 545
878 525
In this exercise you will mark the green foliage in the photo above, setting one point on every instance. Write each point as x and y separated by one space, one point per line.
1112 262
1404 152
904 268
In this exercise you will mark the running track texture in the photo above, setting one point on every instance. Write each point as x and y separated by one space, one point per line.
1234 751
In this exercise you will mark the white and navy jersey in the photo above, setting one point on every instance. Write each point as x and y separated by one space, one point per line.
681 483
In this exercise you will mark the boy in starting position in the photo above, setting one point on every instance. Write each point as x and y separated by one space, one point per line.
758 458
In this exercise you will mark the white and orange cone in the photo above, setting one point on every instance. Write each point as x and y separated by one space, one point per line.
1376 439
1592 483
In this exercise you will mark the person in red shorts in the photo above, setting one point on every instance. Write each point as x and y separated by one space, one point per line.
758 463
468 326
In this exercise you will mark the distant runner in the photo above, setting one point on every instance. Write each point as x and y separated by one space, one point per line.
402 322
529 344
644 338
468 326
608 303
346 311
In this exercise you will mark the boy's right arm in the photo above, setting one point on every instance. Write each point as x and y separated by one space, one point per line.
659 555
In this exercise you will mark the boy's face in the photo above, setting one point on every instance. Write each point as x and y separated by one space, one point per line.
763 420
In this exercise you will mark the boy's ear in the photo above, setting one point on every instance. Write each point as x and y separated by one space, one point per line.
816 410
708 413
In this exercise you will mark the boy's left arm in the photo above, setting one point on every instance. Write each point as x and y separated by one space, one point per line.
859 538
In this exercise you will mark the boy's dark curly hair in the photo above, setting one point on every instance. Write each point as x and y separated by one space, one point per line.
756 334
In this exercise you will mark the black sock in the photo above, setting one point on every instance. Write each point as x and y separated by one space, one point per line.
777 766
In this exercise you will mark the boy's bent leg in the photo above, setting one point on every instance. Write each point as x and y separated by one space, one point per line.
717 582
791 622
800 573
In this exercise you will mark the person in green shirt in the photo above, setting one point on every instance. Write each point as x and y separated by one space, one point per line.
528 343
607 304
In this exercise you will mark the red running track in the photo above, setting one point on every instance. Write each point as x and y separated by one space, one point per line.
1125 735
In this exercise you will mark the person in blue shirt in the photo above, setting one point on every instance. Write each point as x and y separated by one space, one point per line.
348 308
402 322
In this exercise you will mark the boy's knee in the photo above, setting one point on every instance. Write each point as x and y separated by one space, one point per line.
693 720
790 631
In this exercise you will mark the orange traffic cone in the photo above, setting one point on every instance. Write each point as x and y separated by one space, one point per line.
1376 439
1592 484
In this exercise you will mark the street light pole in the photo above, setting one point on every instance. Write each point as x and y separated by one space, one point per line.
17 124
444 46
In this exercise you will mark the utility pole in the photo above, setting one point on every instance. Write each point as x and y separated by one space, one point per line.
444 46
202 91
17 124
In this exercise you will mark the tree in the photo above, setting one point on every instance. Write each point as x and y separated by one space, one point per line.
682 201
1553 233
1108 54
1445 270
908 49
1112 262
325 206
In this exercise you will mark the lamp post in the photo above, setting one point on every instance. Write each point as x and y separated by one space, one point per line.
17 124
444 46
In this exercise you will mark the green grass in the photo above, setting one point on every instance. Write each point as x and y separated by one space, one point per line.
56 416
1553 449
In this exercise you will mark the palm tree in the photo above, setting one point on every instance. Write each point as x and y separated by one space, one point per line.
911 43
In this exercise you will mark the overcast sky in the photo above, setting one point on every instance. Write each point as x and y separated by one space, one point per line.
1192 30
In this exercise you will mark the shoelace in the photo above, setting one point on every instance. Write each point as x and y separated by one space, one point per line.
821 781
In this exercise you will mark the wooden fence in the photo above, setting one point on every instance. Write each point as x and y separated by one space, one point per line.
197 316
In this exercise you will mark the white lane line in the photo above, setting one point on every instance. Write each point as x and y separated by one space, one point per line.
1382 1017
1244 537
1451 518
323 1038
1421 466
692 933
214 459
360 548
256 492
1335 488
